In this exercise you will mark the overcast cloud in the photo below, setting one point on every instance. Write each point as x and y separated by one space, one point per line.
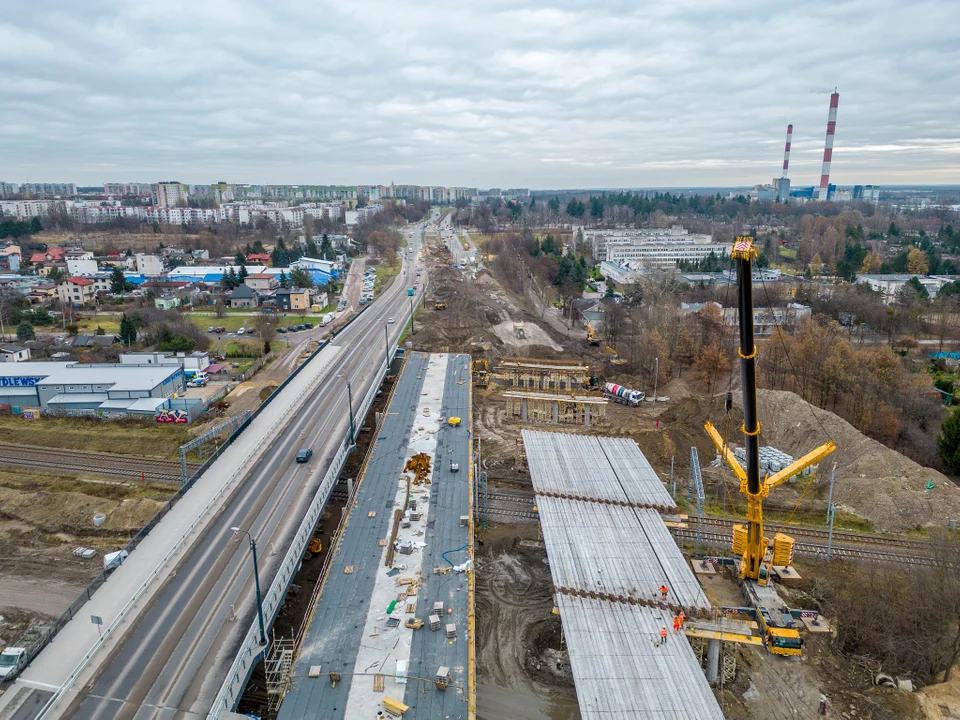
508 94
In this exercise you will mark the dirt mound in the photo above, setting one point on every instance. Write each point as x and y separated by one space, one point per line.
73 512
873 481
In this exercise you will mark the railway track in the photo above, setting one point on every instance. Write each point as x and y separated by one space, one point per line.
81 461
809 541
841 536
847 552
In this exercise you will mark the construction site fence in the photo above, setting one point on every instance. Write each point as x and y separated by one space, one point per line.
135 541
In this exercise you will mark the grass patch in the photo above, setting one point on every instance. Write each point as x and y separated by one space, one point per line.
140 437
806 518
101 487
385 274
788 253
109 323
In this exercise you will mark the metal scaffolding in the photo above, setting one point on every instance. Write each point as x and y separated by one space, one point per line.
696 480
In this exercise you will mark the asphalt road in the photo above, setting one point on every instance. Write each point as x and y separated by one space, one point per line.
175 657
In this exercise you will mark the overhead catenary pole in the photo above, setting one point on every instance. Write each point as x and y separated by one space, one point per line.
830 512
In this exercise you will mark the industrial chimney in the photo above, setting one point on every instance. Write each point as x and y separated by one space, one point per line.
783 183
828 146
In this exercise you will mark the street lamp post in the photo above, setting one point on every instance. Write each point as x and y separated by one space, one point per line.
386 344
256 578
413 330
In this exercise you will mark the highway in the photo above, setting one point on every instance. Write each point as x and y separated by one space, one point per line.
175 655
461 256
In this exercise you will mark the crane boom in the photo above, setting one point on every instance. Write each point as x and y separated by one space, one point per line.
754 549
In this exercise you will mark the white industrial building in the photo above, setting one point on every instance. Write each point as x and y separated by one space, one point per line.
889 285
100 389
149 265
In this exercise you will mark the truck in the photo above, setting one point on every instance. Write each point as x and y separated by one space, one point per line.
327 319
623 395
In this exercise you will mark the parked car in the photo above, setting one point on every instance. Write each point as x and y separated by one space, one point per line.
293 328
210 329
12 659
241 331
308 326
219 329
304 455
282 330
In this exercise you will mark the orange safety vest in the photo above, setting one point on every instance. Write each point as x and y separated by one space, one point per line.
663 632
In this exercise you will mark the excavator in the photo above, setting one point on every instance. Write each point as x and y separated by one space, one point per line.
780 632
592 337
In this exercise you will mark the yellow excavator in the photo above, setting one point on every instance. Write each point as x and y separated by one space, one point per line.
779 630
592 337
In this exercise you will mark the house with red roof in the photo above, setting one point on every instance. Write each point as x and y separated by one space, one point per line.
76 291
50 255
258 259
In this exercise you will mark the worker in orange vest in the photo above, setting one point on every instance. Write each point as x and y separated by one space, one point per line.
676 624
663 635
682 617
663 592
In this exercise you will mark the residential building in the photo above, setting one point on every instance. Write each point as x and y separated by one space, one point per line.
81 267
42 292
94 341
889 285
664 251
76 291
258 259
170 194
48 189
867 193
10 257
261 282
121 189
26 209
244 297
293 299
14 353
168 302
8 189
50 255
149 265
765 319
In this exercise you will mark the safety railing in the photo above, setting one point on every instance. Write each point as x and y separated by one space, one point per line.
251 649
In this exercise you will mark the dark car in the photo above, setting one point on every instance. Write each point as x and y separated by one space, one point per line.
308 326
304 455
282 331
301 327
293 328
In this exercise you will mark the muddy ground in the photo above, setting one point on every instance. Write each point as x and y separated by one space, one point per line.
522 668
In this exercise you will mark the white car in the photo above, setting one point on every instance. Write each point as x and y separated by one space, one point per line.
241 331
11 660
390 321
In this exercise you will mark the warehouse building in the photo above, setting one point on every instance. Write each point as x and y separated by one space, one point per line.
97 389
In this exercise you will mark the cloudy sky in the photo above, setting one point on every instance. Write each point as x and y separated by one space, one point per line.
493 93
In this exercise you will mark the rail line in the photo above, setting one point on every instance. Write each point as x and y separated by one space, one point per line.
814 549
81 461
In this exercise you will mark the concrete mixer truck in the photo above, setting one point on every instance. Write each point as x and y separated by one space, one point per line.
622 395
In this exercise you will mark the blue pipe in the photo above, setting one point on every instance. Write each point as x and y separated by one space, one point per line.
444 555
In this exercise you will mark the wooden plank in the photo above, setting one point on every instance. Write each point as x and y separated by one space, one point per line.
378 683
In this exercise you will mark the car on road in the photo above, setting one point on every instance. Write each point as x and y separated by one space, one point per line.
454 467
282 330
304 455
241 331
219 329
308 326
390 321
210 329
12 659
293 328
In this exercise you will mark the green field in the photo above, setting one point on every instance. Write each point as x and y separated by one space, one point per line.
109 323
385 273
788 253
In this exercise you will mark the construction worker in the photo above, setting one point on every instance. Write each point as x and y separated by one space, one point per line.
676 624
663 635
663 592
683 618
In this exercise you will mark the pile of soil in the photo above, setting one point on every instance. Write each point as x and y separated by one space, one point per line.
872 480
72 512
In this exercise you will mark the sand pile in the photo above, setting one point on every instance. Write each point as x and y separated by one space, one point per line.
873 481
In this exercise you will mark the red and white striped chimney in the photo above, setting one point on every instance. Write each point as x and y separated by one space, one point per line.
828 146
786 151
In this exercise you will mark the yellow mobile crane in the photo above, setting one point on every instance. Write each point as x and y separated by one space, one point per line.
780 632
